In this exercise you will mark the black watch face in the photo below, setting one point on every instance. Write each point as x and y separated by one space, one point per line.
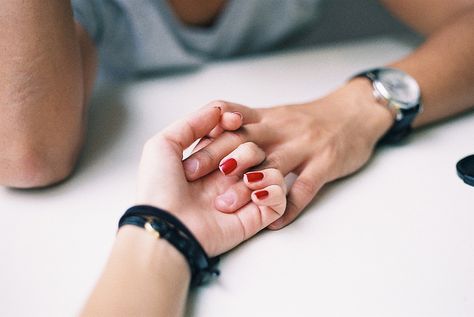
398 86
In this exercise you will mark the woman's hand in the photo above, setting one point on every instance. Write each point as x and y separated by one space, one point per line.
319 141
162 182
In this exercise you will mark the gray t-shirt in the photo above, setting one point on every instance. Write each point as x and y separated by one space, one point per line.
144 36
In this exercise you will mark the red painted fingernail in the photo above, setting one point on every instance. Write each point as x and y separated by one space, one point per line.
228 166
239 114
262 194
254 176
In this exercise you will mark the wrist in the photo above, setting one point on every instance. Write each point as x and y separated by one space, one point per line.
374 118
156 257
140 264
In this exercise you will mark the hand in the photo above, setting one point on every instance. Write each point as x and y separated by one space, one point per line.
319 141
162 183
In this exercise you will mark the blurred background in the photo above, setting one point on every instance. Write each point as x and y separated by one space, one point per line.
348 19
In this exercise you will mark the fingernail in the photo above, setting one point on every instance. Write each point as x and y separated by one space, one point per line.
191 165
262 194
228 166
228 199
239 114
254 176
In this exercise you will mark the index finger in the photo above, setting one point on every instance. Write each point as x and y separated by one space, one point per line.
249 115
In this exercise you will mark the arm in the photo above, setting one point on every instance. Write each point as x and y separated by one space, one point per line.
444 64
46 74
335 136
142 275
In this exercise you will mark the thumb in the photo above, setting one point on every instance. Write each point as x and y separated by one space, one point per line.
302 192
163 153
161 174
184 132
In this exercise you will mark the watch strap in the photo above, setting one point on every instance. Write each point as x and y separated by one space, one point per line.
400 128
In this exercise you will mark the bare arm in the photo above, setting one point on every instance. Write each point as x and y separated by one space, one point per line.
144 276
46 73
334 136
444 64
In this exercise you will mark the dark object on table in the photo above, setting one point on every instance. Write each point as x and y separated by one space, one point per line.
465 168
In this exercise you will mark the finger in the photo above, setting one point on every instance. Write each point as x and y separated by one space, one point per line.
303 190
233 198
259 179
250 115
184 132
254 217
272 196
230 121
243 157
238 194
207 159
214 134
284 159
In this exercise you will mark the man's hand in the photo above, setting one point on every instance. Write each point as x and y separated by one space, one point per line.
319 141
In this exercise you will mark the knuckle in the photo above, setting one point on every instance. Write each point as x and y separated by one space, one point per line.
306 187
253 149
278 174
273 161
273 174
280 192
276 177
332 149
158 143
332 159
235 137
206 156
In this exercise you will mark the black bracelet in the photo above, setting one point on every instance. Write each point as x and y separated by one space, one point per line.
168 227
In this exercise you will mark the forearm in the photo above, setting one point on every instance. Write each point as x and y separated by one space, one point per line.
444 68
42 91
143 277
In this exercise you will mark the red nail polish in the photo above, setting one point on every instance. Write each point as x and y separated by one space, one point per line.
262 194
228 166
254 176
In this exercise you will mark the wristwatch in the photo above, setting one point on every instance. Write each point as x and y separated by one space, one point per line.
399 92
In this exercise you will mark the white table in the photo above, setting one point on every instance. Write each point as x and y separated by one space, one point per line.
396 239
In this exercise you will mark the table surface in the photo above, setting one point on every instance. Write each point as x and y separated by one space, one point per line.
396 239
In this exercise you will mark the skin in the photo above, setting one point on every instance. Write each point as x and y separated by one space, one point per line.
47 72
46 76
146 276
197 13
39 149
348 122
